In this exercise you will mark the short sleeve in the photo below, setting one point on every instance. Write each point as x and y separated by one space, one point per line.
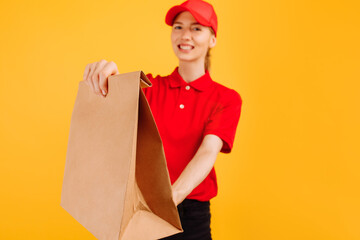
224 120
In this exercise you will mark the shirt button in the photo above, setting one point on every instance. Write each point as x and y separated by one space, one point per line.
187 87
182 106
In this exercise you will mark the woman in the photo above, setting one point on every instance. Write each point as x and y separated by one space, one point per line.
196 116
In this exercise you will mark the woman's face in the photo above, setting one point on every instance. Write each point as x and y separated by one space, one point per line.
190 40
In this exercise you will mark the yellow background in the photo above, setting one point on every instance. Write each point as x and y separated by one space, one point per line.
294 170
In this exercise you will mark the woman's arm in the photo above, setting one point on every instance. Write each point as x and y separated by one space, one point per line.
198 168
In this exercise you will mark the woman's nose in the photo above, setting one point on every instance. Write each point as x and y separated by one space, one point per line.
186 34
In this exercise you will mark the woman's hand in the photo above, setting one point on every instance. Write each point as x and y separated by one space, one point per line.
96 75
177 198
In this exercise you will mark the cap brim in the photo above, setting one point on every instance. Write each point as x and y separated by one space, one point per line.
171 14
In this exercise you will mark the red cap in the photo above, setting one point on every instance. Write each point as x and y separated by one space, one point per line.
202 11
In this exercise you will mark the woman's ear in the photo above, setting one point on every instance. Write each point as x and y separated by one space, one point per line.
212 41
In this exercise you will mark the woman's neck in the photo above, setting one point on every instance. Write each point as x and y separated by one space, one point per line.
191 71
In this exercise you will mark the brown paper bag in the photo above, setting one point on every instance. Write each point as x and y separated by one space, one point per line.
116 182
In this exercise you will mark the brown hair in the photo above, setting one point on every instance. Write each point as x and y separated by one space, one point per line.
207 57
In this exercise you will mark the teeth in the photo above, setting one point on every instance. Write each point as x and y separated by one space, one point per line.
185 47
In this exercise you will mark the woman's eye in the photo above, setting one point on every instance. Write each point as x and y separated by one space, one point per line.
197 29
177 27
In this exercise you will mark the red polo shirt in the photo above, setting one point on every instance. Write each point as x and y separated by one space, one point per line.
184 113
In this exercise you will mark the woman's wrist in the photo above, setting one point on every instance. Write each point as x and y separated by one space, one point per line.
178 197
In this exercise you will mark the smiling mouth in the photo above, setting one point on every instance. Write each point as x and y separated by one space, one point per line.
185 47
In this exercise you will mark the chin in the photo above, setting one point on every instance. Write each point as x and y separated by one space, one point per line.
186 58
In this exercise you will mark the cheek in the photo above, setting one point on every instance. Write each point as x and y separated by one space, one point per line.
202 42
173 43
173 39
174 35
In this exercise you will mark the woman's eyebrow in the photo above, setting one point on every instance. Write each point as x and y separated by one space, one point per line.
194 23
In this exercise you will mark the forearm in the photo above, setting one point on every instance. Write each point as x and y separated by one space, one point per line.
194 173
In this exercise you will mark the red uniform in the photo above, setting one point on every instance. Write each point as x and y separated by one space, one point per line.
184 113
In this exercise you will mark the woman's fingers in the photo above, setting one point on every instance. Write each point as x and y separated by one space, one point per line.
86 75
108 69
89 77
96 75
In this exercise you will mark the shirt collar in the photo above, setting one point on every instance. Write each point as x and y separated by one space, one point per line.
202 83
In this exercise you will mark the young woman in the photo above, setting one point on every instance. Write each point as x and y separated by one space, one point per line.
196 116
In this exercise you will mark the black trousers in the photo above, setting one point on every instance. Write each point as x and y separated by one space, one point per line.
195 220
